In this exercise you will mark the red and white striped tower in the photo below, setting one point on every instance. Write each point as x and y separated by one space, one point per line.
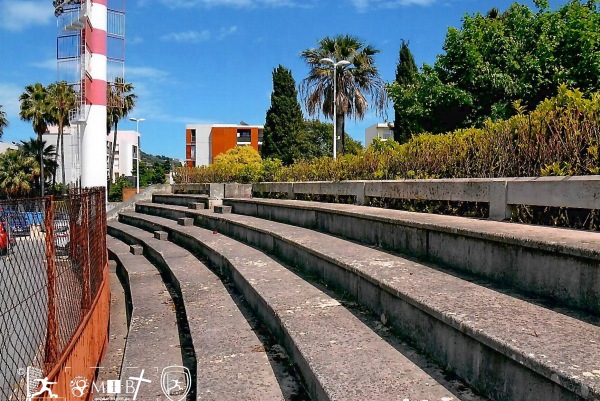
93 143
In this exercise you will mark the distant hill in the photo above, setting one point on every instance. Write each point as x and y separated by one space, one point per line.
154 159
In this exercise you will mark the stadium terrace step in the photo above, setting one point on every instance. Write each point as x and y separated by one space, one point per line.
558 264
507 348
339 356
232 362
186 200
153 338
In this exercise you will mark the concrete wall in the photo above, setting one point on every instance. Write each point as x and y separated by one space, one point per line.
501 193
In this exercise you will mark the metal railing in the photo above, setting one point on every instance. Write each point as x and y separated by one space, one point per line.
52 269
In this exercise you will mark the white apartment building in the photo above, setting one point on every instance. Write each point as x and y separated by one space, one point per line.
125 152
382 131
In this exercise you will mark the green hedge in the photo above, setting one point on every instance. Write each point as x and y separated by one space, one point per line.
560 137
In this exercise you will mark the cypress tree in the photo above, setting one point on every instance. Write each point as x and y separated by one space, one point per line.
405 75
282 135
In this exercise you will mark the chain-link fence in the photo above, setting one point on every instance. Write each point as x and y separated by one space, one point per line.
53 252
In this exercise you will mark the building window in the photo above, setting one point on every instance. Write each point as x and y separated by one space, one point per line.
243 136
260 136
193 136
192 152
117 148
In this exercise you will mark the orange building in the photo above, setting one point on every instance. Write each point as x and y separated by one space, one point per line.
205 142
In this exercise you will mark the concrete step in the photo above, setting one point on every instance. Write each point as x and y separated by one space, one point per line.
507 348
339 356
187 200
231 361
558 264
153 338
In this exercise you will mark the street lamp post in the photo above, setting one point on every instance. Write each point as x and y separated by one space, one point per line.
341 63
137 169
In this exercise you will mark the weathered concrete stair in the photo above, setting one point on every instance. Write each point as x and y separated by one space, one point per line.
231 361
558 264
507 348
188 200
339 356
153 337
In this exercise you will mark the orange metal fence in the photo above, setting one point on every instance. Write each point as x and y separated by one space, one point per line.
54 305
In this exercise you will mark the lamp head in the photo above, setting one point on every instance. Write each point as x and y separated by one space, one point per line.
342 63
327 61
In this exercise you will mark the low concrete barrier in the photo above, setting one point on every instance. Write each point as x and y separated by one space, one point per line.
502 194
215 190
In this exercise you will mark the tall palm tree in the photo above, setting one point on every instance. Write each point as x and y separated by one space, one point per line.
17 173
62 99
32 148
35 107
354 83
120 101
3 121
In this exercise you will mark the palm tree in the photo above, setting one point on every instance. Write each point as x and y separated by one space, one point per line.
32 148
3 121
120 101
62 99
35 107
354 83
17 173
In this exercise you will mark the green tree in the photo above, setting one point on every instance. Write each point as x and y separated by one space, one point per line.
496 59
354 83
32 148
35 107
62 99
120 101
153 173
3 121
430 105
405 75
17 173
116 191
318 140
283 126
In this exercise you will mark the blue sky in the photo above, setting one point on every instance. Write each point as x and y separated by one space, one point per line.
210 61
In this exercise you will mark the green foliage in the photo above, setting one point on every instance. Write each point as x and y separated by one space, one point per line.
31 149
17 172
560 137
120 101
3 121
494 60
318 140
354 85
116 190
62 98
152 173
405 75
283 127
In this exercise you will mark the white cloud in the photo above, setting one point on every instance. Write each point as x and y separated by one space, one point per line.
186 37
9 99
19 15
197 37
366 5
136 40
145 72
231 3
225 32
